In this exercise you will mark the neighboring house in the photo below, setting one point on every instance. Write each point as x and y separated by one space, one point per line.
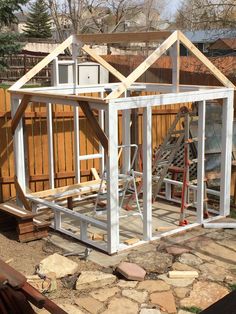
222 47
204 38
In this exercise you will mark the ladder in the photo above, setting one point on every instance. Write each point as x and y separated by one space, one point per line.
165 157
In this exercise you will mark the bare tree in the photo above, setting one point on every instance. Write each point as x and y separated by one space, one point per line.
206 14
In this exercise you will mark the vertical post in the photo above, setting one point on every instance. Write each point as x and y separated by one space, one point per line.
147 173
18 145
112 181
50 146
101 149
55 72
76 112
201 160
126 140
174 53
226 153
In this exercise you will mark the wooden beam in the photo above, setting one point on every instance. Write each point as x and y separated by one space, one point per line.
19 112
38 67
103 62
143 66
21 195
56 96
100 135
213 69
123 37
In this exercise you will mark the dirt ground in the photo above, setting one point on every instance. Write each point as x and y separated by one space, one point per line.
210 252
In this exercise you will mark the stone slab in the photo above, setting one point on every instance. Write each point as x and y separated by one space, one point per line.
89 304
121 306
204 294
131 271
127 284
165 300
153 261
153 285
150 311
138 296
190 259
104 293
58 264
176 282
94 280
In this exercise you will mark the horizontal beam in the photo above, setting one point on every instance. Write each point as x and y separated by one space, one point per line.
68 212
169 99
58 96
122 37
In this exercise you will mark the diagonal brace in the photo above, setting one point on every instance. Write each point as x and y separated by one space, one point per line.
99 133
19 112
103 62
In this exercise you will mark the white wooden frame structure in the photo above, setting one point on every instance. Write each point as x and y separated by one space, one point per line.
108 106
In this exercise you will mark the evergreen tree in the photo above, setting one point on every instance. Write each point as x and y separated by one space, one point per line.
38 21
9 42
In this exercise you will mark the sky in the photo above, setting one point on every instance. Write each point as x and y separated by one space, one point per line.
172 6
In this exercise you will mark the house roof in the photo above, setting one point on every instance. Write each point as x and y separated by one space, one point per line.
224 44
209 36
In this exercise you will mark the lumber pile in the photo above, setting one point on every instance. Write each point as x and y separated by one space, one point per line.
27 225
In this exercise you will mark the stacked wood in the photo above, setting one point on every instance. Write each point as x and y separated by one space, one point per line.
28 226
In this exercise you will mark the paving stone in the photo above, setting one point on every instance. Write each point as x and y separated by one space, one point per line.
209 271
89 304
127 284
218 254
176 282
149 311
203 294
218 235
94 280
71 309
58 264
165 300
104 293
230 231
190 259
181 292
131 271
177 250
180 266
153 261
229 243
138 296
121 306
153 285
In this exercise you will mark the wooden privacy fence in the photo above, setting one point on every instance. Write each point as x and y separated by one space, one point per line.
35 124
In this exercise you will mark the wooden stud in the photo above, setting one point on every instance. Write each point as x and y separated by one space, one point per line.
21 195
226 153
123 37
201 160
19 112
101 136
